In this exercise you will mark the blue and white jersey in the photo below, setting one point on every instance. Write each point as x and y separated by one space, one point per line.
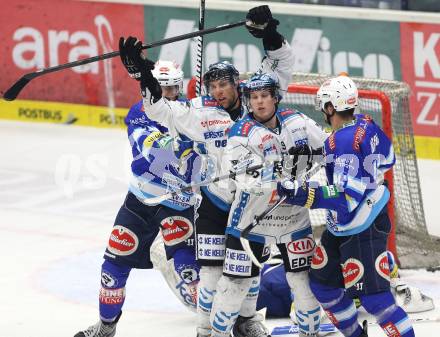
155 168
357 157
207 123
251 143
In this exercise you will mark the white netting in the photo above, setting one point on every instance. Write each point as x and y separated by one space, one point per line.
415 247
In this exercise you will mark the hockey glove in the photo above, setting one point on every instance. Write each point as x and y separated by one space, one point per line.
139 67
261 24
301 158
296 195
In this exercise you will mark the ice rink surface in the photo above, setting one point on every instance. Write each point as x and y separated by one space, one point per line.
60 189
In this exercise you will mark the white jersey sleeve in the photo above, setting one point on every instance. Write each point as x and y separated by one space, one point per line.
174 115
279 63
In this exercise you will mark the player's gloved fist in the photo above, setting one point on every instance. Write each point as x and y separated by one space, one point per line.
305 149
259 20
296 194
139 68
130 50
261 24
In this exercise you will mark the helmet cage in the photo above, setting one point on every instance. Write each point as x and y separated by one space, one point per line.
220 71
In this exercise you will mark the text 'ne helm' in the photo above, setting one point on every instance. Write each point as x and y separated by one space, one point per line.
220 71
341 91
168 74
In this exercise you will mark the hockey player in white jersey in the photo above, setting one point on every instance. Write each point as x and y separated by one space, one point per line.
265 135
206 121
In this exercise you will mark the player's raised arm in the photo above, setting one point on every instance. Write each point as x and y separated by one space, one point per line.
278 58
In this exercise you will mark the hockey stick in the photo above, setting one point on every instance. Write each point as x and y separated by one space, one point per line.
18 86
199 64
246 231
170 195
327 328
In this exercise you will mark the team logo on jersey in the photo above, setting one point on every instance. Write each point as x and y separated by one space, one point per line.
331 317
287 112
206 101
352 271
148 142
108 280
320 258
331 142
391 330
122 241
301 246
382 266
111 296
247 127
358 137
176 229
215 122
188 274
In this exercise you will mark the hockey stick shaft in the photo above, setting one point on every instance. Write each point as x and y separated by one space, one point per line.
199 64
18 86
329 327
170 195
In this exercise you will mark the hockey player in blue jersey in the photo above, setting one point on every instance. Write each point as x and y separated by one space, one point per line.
351 260
160 163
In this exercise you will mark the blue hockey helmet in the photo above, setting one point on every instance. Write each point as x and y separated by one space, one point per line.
223 70
262 81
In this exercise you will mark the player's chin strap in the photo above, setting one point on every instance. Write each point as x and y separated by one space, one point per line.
246 231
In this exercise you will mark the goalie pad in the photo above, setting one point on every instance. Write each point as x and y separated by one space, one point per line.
186 292
409 298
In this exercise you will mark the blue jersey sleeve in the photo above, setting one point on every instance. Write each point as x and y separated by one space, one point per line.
358 156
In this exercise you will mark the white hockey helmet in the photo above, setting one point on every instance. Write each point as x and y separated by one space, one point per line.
341 91
168 74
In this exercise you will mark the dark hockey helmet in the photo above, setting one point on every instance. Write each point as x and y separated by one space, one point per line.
261 81
220 71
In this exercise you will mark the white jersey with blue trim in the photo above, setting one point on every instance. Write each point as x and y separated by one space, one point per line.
155 168
207 123
251 143
357 156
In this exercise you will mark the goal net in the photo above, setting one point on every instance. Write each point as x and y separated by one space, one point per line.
388 103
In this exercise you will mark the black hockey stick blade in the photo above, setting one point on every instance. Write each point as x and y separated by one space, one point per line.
16 88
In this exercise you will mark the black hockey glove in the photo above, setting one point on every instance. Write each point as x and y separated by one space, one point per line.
139 67
261 24
302 157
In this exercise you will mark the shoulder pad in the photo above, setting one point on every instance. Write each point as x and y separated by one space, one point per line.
367 118
136 115
204 101
243 127
209 101
286 113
